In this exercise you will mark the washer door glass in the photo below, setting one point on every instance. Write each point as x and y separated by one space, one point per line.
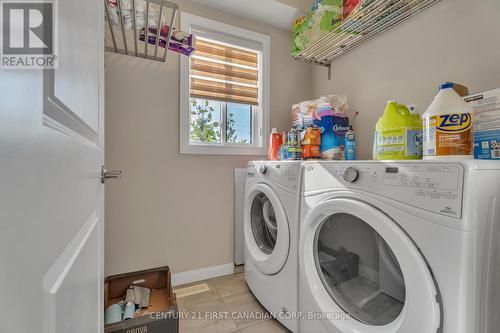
264 223
359 270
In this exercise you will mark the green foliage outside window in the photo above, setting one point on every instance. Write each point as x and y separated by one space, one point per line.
205 128
231 130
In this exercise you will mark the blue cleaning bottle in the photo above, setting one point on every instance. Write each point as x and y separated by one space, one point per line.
350 145
283 149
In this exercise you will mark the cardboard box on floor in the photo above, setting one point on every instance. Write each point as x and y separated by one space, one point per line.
162 314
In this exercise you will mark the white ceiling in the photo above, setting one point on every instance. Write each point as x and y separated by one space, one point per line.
279 13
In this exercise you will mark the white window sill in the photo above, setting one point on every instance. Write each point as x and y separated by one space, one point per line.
222 150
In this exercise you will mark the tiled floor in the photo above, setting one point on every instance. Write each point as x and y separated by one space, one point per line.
228 307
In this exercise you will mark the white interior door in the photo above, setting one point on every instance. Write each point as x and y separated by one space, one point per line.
51 196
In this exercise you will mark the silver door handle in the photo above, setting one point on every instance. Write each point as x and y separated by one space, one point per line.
110 174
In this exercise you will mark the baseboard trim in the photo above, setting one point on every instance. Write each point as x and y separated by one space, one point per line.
202 274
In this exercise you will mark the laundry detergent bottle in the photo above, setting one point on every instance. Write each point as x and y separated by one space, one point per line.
275 142
398 134
448 132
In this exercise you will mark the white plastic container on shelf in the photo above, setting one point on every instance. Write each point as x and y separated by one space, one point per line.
448 131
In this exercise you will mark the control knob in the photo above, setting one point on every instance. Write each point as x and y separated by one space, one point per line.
351 174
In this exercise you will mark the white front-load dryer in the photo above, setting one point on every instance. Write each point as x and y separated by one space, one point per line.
271 232
406 247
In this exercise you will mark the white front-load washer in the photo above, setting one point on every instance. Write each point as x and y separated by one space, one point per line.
271 229
407 247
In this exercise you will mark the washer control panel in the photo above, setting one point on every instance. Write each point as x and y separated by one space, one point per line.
436 187
284 173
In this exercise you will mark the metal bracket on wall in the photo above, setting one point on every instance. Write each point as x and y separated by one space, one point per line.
329 72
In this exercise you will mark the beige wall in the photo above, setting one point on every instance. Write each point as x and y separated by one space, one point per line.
172 209
455 40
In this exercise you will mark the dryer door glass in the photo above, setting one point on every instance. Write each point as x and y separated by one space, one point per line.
359 270
264 223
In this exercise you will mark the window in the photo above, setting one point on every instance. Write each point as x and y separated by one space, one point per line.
224 90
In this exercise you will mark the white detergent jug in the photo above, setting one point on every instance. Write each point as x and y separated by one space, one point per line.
448 126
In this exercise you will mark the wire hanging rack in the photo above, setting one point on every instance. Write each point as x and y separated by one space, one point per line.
376 18
140 28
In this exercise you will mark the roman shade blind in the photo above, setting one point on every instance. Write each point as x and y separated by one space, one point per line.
224 73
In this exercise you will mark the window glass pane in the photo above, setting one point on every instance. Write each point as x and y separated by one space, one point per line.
359 270
239 123
205 121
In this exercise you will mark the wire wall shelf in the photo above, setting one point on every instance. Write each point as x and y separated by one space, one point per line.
376 18
140 28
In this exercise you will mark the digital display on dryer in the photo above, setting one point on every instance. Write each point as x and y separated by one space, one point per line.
391 170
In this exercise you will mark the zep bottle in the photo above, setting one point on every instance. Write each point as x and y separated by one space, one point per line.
448 126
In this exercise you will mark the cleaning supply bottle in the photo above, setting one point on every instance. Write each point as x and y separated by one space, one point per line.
398 135
448 132
413 109
350 145
417 138
350 141
275 141
283 150
374 146
294 147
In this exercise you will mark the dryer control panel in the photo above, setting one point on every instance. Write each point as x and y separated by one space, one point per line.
286 174
436 187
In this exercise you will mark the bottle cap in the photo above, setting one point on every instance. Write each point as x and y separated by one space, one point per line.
446 85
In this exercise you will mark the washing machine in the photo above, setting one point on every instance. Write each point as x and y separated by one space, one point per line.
407 247
271 229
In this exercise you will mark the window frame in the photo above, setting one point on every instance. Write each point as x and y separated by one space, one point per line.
260 114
